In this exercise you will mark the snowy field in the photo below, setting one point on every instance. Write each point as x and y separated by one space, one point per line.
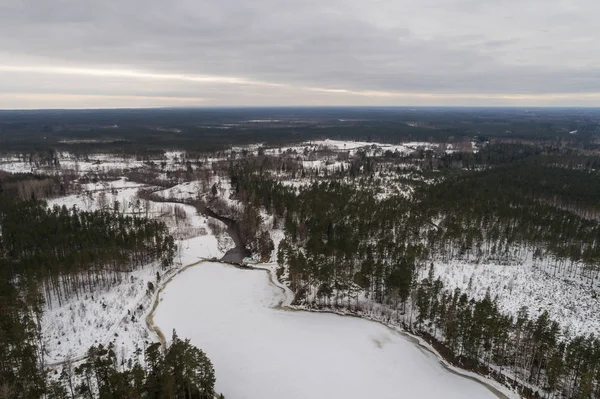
374 148
263 352
349 146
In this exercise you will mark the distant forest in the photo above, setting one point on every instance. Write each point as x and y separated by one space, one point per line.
203 130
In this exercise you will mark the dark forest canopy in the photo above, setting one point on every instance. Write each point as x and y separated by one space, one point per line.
341 241
208 129
55 254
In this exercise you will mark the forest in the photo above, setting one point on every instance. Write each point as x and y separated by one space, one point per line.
55 254
362 230
182 371
342 242
142 131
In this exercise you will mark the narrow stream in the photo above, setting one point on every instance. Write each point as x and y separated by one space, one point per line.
236 255
239 252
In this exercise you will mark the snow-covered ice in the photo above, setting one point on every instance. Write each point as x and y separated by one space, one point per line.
261 351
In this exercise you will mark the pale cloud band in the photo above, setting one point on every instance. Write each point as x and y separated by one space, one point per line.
68 53
267 91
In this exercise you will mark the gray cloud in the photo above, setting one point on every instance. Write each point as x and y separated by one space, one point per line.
381 51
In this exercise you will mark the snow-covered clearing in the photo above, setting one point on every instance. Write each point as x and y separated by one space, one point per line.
96 196
181 192
349 146
572 303
95 163
262 351
352 146
104 316
116 314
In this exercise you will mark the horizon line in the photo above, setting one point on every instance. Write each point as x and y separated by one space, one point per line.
207 107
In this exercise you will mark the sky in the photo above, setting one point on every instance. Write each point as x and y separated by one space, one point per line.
200 53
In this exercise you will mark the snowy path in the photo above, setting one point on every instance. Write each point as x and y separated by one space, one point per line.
263 351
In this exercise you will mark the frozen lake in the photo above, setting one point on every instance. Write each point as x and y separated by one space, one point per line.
262 352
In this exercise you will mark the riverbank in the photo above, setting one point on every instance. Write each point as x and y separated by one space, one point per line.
237 254
284 303
150 326
495 386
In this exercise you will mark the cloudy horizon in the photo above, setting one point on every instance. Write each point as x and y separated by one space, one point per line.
112 54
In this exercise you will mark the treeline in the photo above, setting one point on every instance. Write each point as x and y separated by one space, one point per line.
181 371
57 253
21 369
138 131
28 186
70 251
342 243
536 172
500 153
521 199
477 335
493 212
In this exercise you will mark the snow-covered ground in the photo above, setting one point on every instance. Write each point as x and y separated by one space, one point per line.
352 146
94 163
111 315
95 196
572 303
114 315
183 191
117 314
262 351
349 146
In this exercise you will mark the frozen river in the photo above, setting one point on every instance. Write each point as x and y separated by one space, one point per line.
262 352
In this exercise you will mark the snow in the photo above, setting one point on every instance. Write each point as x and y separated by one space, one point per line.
12 165
68 161
339 146
572 303
404 148
116 314
263 351
98 318
194 249
120 190
106 315
183 191
276 236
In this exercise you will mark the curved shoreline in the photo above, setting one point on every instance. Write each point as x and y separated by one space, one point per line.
496 388
152 328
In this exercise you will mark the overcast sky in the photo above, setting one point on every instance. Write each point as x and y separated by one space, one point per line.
139 53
